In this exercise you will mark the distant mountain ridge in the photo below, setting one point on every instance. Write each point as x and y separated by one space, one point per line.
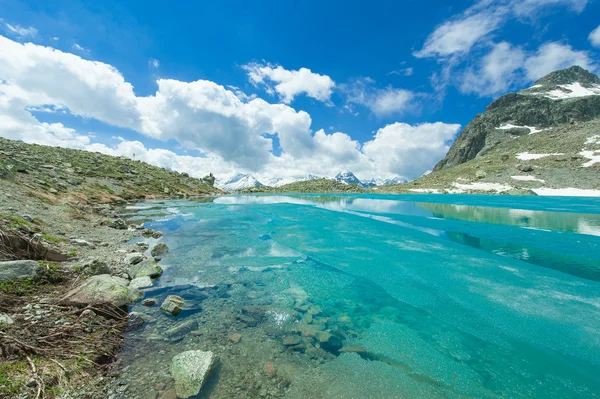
245 181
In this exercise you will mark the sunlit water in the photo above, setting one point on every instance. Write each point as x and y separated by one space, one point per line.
423 297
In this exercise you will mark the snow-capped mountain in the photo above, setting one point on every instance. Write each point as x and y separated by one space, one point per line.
238 182
281 181
348 178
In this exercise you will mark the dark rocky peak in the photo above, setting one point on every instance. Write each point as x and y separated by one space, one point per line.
568 76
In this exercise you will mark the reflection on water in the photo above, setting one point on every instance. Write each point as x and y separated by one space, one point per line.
371 297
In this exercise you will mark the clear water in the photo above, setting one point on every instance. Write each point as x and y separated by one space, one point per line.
431 296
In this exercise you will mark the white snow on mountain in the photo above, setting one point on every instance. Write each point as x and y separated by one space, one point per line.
242 181
238 182
348 178
571 90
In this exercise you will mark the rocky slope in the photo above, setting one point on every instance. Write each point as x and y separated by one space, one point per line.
558 161
561 98
61 174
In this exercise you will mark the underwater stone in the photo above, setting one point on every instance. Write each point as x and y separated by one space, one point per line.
292 340
173 304
190 370
182 328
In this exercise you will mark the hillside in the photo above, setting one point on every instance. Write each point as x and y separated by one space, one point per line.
561 97
62 174
544 138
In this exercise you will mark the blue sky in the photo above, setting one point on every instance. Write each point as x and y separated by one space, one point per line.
388 82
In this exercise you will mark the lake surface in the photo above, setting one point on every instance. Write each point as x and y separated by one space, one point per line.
376 296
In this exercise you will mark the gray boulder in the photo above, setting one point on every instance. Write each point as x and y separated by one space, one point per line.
18 270
103 288
190 370
147 267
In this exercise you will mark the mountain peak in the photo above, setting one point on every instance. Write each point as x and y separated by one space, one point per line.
568 76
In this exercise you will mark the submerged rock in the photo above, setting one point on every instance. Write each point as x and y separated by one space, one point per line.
103 288
190 370
149 302
173 304
18 270
182 328
159 249
147 267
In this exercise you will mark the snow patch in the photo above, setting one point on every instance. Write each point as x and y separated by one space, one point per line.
593 140
572 90
425 190
527 178
567 192
508 126
479 186
525 156
593 156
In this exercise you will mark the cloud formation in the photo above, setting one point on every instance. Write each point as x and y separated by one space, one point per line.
507 66
227 127
472 60
20 31
289 84
381 102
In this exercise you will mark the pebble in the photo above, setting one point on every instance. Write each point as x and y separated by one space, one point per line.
149 302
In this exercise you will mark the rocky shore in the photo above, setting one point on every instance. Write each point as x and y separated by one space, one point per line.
68 269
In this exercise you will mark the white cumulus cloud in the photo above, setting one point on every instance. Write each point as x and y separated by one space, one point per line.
594 37
552 56
227 127
408 150
289 84
381 101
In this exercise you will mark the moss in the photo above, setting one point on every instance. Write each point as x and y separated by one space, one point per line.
18 288
52 239
13 376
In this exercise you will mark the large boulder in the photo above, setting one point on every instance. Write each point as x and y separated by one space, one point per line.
103 288
190 370
147 267
18 270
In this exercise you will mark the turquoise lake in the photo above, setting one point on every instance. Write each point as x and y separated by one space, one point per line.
375 296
